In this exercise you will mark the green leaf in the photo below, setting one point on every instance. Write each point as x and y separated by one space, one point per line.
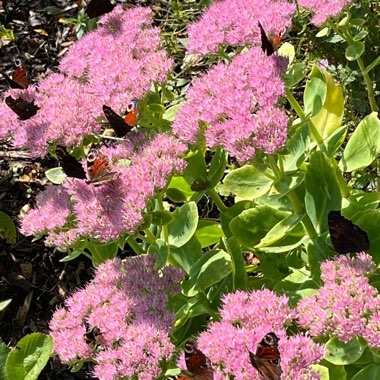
217 167
101 252
208 232
161 217
252 225
29 357
340 353
239 275
161 250
171 112
71 256
56 175
184 224
370 372
187 255
330 116
335 141
362 34
4 304
4 351
295 149
231 212
315 92
297 285
211 268
323 371
322 190
363 146
295 74
354 50
8 230
247 182
280 230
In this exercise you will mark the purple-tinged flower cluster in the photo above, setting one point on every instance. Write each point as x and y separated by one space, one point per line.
104 212
235 22
235 107
126 302
246 319
323 9
119 60
346 306
111 65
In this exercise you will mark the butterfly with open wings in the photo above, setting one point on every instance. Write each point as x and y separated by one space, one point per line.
19 78
267 358
122 125
22 108
346 237
97 167
197 364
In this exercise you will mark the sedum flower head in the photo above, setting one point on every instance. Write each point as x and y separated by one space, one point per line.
104 212
323 9
132 339
346 305
235 22
246 317
234 106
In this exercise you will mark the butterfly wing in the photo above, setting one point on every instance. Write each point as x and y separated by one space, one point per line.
346 236
266 45
19 79
116 122
132 113
24 109
98 169
267 358
96 8
69 164
197 364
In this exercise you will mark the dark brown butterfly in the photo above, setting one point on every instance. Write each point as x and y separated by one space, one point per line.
346 236
24 109
97 167
123 125
267 358
96 8
266 44
91 334
197 364
19 78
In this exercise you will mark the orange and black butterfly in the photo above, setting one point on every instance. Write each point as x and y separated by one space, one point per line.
23 108
19 78
346 237
97 167
197 364
122 125
267 358
266 44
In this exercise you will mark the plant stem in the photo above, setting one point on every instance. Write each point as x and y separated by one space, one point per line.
217 200
293 102
133 244
371 94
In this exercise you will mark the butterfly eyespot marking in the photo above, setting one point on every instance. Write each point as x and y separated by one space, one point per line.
132 105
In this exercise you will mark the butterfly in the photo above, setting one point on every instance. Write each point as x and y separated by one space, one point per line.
197 364
91 334
19 78
97 167
267 45
96 8
346 236
122 125
24 109
267 358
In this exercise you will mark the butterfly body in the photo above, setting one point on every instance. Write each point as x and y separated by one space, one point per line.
197 364
122 125
346 237
267 358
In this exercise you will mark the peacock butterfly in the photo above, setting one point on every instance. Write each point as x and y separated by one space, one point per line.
266 44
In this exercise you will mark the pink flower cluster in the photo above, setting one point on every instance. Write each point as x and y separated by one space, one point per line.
104 212
246 319
323 9
235 22
111 65
347 305
126 302
235 107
